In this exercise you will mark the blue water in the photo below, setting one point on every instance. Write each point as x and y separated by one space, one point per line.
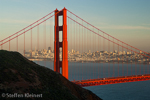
122 91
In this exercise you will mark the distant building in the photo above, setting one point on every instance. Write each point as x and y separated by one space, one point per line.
128 53
115 51
93 54
100 54
105 51
73 51
49 51
124 52
120 53
49 48
89 51
114 54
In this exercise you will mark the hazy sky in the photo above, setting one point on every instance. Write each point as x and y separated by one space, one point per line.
128 20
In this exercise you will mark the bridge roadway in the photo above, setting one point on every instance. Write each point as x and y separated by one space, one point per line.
112 80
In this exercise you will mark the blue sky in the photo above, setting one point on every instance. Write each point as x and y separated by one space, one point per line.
128 20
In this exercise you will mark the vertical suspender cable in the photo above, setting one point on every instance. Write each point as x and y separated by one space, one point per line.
37 40
93 52
108 57
103 57
71 45
2 46
24 42
68 44
17 42
86 47
9 43
127 60
118 59
79 41
140 65
135 67
31 41
113 57
74 47
131 60
50 38
76 43
45 43
144 66
98 55
122 59
82 47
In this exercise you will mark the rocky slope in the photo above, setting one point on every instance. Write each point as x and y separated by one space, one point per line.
23 79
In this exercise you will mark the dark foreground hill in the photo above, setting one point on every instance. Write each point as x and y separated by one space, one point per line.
21 79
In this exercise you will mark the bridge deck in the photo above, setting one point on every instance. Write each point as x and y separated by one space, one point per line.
112 80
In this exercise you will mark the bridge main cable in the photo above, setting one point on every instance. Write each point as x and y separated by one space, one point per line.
27 26
106 33
26 30
107 38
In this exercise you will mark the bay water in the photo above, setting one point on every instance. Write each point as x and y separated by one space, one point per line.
122 91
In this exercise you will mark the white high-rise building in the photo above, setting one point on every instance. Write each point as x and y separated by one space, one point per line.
72 51
49 51
140 51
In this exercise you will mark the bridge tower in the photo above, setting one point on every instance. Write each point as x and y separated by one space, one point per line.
64 44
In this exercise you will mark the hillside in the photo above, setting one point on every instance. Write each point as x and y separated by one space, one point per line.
19 76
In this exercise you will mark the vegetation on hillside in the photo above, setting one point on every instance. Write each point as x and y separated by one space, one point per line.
19 75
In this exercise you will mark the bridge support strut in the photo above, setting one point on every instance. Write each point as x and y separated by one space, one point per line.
64 44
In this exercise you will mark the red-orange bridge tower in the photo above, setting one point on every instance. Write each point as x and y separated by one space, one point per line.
64 44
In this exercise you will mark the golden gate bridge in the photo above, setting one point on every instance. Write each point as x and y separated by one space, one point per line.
69 31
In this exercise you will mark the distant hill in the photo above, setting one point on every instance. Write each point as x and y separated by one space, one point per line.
19 76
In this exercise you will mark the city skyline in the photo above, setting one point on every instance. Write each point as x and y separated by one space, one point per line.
96 56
